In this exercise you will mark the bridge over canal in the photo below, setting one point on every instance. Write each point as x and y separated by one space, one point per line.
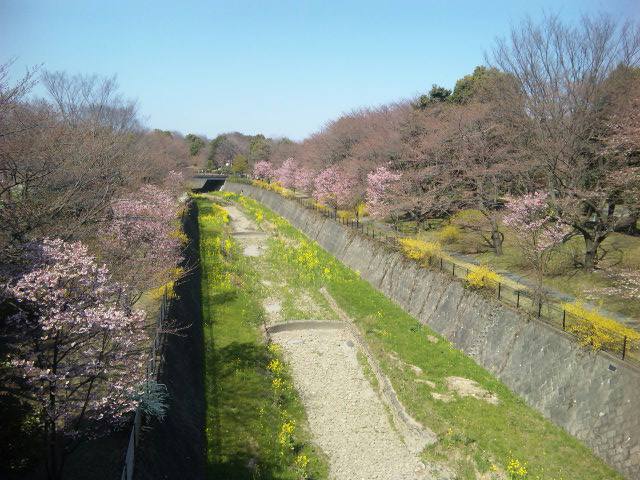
207 182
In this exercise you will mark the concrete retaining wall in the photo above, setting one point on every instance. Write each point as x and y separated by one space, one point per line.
593 396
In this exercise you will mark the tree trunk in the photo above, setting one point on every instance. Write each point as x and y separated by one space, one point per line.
54 452
496 240
591 246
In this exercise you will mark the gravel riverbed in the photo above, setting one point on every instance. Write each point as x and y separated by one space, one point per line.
346 416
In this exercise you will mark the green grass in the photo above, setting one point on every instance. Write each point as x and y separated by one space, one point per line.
474 436
244 413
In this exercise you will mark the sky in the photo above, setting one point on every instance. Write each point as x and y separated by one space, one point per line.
281 68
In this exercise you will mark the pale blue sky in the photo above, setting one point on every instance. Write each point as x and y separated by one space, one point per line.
276 67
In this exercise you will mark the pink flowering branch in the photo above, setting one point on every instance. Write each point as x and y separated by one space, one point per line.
539 230
304 179
143 239
79 351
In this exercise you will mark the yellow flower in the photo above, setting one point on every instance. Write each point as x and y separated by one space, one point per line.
286 434
482 276
449 234
595 329
301 461
516 469
275 366
419 250
277 383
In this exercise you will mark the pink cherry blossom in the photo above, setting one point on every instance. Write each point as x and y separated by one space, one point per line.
378 201
144 232
334 188
531 218
286 174
304 179
538 229
263 170
80 352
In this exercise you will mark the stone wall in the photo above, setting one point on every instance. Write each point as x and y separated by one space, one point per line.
176 446
593 396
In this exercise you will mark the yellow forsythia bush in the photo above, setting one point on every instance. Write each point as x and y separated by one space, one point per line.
362 210
449 234
482 276
419 250
346 215
274 187
599 331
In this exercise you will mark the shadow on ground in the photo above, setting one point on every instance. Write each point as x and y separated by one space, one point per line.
176 447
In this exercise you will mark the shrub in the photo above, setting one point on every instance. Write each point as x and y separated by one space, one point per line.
346 215
449 234
362 210
482 276
598 330
274 187
419 250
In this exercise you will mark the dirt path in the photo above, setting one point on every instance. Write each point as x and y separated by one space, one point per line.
245 231
348 419
346 415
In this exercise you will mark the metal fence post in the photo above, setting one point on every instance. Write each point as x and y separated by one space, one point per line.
564 319
499 288
539 308
624 347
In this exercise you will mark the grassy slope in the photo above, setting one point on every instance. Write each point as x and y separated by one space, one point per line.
474 435
243 417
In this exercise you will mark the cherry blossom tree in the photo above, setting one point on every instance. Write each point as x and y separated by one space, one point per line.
77 352
263 170
286 174
174 183
379 202
538 228
334 188
304 179
144 232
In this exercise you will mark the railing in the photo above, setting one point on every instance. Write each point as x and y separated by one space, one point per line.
153 370
539 306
